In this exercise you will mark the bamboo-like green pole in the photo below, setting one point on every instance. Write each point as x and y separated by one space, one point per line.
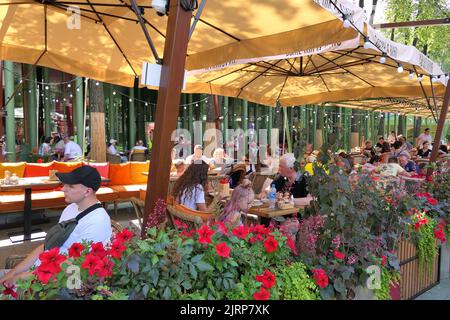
10 122
131 120
79 109
244 122
32 110
270 123
47 106
287 129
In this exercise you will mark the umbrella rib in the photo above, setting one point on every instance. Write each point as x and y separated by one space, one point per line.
425 94
341 55
231 72
64 8
282 70
146 21
320 75
98 4
118 46
218 29
292 65
242 88
349 72
284 83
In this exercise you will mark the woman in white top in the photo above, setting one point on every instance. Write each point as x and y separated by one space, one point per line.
46 149
189 189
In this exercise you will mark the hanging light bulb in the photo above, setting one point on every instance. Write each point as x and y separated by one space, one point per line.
71 95
383 58
69 85
346 21
19 94
411 75
420 78
196 104
399 68
146 104
46 87
114 93
64 99
97 83
131 100
366 43
185 108
78 89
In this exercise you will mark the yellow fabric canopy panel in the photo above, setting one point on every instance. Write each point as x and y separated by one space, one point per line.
107 44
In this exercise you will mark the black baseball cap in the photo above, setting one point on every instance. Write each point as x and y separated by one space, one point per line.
85 175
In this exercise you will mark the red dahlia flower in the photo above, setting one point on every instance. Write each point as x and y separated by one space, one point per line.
223 250
262 294
267 279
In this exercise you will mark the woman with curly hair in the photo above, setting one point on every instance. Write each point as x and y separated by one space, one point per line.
240 201
189 189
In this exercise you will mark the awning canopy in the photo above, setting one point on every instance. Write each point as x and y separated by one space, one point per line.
109 45
345 71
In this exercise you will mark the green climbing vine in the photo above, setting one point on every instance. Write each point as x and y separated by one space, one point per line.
388 277
297 284
426 242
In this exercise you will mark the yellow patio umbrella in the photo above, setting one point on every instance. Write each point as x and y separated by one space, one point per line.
105 42
374 67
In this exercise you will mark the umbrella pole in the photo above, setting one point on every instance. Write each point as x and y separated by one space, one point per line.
440 127
174 59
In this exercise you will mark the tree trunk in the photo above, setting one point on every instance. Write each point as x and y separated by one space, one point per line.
97 119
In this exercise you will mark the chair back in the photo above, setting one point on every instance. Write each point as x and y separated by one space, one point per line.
138 206
112 158
258 180
175 214
237 174
138 156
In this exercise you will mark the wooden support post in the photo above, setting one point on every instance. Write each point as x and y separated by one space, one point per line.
131 120
440 126
171 83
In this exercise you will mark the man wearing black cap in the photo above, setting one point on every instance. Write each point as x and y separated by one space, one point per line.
79 187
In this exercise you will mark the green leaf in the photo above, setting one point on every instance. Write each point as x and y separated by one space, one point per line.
339 285
193 271
155 259
327 293
167 293
145 290
196 258
204 266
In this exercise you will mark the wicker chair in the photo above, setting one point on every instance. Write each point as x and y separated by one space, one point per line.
113 158
192 221
237 174
258 179
138 156
138 206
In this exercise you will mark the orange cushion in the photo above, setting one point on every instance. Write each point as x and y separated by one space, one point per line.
120 174
15 167
105 194
102 168
14 201
65 167
38 169
136 171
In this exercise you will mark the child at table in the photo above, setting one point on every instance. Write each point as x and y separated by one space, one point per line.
240 201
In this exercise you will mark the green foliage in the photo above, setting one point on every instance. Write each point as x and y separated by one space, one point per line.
388 278
296 284
427 248
432 40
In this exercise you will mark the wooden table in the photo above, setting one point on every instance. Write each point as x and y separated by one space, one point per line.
27 184
265 212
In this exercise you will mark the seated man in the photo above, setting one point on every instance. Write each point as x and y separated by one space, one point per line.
406 164
72 151
392 168
79 189
383 145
